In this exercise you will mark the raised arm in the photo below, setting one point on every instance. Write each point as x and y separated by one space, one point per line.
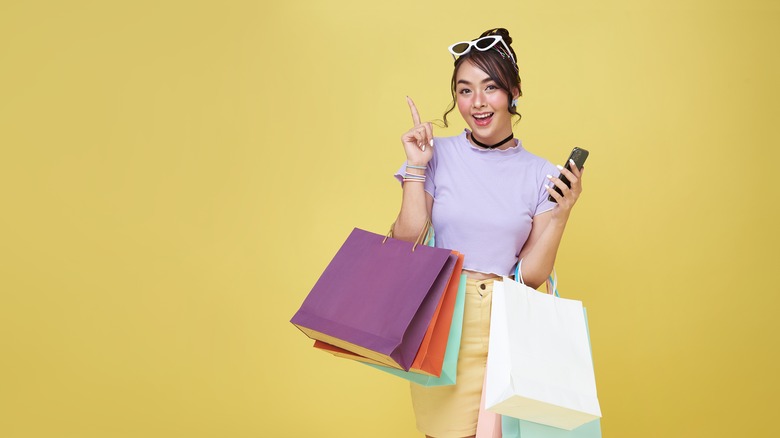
416 204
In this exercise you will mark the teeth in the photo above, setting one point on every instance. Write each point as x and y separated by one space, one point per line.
483 116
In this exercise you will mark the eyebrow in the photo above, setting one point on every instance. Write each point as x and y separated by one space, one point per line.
463 81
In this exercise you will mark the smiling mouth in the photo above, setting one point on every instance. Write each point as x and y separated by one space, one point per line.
482 119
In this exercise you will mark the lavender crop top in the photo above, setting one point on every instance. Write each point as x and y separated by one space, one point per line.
485 200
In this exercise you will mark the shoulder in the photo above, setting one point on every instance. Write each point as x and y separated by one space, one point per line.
540 165
534 160
449 142
447 148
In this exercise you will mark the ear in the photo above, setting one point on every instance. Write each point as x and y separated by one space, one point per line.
515 96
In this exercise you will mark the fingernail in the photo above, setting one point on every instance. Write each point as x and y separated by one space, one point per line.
559 166
431 142
549 176
423 148
572 162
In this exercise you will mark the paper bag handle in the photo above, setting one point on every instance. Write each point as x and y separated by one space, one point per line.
551 283
425 233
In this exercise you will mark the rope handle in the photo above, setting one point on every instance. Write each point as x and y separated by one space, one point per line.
425 234
551 283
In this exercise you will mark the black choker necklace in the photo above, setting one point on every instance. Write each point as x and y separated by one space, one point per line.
487 146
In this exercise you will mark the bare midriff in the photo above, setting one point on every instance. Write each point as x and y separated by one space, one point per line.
478 275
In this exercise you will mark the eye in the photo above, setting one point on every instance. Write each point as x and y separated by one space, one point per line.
464 91
491 87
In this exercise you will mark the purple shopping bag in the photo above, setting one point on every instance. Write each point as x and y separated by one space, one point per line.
376 298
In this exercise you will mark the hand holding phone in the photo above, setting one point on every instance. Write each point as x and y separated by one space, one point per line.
578 156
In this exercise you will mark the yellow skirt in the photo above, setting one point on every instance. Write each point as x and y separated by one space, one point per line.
452 411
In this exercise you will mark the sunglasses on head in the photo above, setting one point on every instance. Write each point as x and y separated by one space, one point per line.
481 44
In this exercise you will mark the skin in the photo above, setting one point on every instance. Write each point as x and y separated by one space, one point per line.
476 93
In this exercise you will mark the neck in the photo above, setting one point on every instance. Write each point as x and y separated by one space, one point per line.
501 144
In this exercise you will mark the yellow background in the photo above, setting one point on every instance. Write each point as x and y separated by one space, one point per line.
174 177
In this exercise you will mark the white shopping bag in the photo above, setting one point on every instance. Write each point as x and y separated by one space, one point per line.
539 363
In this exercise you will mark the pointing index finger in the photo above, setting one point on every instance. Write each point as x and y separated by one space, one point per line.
415 114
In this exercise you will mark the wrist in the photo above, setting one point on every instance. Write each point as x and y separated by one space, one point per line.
414 173
558 221
415 169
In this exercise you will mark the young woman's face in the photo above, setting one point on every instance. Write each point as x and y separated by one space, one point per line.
482 104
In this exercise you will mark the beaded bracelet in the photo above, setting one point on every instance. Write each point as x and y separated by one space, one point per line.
409 166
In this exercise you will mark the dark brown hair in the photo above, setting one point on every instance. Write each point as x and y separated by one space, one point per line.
500 69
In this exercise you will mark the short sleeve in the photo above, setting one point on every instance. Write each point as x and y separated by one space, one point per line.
543 203
430 171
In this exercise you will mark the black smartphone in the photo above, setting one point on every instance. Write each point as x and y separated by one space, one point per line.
578 156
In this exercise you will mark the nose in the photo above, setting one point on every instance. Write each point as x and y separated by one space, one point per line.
479 100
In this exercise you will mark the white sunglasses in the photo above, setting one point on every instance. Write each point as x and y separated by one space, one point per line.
481 44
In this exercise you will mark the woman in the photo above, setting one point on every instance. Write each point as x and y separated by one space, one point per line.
487 198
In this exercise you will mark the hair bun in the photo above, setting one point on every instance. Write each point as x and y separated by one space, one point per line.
499 31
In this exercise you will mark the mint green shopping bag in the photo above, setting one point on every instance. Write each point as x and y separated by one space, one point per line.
450 366
515 428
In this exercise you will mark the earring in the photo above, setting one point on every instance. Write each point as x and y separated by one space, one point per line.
514 103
